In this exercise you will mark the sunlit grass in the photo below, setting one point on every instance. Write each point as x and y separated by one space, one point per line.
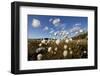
58 49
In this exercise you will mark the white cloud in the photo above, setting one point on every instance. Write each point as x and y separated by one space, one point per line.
35 23
56 21
75 28
45 28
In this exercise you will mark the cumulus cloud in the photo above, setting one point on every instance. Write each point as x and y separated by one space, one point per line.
56 21
45 28
75 27
35 23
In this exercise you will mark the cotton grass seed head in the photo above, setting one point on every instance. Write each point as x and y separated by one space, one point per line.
54 52
84 52
40 44
56 49
71 52
65 46
43 41
49 49
66 40
70 39
40 49
57 41
39 56
69 48
48 41
65 53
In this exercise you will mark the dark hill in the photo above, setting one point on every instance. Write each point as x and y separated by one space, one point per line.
81 36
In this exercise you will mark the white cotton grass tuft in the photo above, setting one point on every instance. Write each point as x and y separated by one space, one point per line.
84 52
70 39
48 41
51 52
43 41
65 53
78 41
66 40
40 44
65 47
49 49
57 41
69 48
54 52
56 49
39 56
71 52
40 49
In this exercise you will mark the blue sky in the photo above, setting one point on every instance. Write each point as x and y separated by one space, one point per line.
43 26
